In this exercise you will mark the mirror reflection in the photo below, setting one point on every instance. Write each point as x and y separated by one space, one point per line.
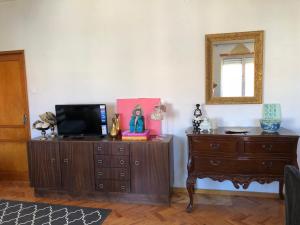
233 68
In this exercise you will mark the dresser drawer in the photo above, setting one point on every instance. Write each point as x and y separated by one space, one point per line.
232 166
120 174
102 161
120 161
120 149
102 148
270 147
120 186
210 145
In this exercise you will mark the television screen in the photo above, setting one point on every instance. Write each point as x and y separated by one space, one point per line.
81 120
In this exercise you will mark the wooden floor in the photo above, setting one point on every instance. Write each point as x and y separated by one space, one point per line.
209 209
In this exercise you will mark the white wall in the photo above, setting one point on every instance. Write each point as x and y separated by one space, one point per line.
95 51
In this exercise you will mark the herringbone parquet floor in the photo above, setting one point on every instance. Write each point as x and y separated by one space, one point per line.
209 209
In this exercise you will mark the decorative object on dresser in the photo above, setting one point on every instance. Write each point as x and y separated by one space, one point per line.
271 118
240 158
42 126
197 118
15 212
95 168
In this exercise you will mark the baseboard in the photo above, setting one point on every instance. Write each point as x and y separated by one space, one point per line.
229 193
14 176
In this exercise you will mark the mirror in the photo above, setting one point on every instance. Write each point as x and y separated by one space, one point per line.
234 68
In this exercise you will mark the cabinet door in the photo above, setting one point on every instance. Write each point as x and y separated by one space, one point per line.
44 164
77 166
149 168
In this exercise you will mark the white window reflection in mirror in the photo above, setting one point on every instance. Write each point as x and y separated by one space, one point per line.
233 75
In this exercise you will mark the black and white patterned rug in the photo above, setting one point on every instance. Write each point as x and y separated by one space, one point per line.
30 213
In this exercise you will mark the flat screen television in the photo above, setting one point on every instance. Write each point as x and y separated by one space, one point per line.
81 120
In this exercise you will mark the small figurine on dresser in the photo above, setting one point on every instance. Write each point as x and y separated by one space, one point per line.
137 122
197 118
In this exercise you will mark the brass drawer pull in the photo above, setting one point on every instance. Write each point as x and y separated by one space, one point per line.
214 146
100 173
122 174
122 162
99 161
100 186
122 187
136 162
215 162
267 164
267 147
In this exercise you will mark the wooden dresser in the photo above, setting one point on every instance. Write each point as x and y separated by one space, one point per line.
140 171
240 158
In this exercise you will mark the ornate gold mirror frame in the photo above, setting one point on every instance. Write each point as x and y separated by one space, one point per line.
239 40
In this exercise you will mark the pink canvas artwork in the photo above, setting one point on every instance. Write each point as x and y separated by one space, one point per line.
125 107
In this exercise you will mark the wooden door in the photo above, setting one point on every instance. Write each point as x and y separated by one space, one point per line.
149 168
44 164
77 166
14 117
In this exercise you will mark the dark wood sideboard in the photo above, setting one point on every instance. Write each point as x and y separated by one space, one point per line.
95 168
240 158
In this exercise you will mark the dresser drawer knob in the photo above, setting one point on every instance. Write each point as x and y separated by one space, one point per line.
99 148
122 162
99 161
100 186
52 160
215 162
214 146
136 162
100 173
122 174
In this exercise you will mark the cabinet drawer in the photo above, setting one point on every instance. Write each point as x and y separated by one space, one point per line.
120 161
214 145
270 147
101 148
103 185
120 186
102 161
120 174
113 173
120 149
103 173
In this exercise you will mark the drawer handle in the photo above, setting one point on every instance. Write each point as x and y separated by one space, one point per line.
122 188
122 162
100 173
267 164
214 146
52 160
100 186
121 149
66 161
267 147
122 174
99 161
137 163
215 162
99 148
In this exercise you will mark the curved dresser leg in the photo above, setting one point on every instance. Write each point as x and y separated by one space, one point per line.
190 186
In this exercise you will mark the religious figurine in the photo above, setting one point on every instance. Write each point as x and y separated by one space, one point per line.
137 122
197 118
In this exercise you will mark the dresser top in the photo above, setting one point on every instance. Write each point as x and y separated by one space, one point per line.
163 139
251 131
